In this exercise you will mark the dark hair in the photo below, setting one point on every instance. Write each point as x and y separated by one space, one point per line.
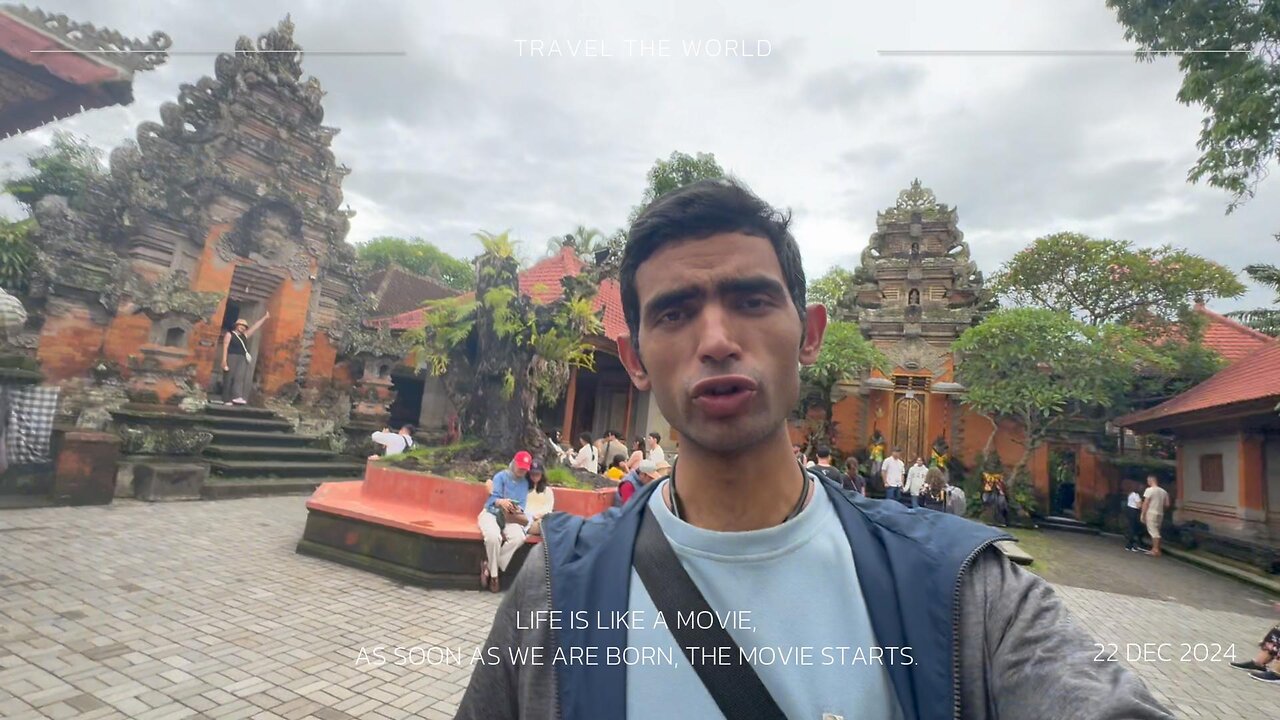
897 449
639 443
407 426
657 437
618 460
585 437
700 210
824 451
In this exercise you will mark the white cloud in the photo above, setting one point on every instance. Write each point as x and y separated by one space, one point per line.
462 133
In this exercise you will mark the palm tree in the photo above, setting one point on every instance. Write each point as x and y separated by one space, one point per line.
1265 320
584 240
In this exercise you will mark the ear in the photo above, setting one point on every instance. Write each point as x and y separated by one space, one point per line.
630 357
815 325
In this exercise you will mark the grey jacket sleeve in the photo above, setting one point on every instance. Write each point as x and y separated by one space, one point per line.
501 689
1023 656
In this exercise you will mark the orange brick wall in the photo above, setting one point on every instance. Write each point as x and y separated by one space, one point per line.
212 275
282 334
70 340
127 333
323 357
847 415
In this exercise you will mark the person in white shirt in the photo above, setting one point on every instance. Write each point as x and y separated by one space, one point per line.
892 470
656 453
1133 528
915 481
1154 502
586 458
541 500
557 447
394 442
637 454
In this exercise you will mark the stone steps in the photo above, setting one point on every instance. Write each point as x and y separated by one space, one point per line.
267 452
231 488
249 469
260 438
237 411
255 453
214 423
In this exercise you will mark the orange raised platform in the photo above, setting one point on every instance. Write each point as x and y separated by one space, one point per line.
416 527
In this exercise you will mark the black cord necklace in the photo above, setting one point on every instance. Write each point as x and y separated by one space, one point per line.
678 510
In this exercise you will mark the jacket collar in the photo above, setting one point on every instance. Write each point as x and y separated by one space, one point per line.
908 565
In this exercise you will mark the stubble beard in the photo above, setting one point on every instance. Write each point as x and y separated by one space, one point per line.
730 437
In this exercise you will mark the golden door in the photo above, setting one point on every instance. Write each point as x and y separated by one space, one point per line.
908 428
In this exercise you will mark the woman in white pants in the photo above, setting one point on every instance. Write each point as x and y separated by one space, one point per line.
508 497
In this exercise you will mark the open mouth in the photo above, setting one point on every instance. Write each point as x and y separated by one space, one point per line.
724 397
723 386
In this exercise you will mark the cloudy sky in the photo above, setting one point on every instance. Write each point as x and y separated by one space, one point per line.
472 128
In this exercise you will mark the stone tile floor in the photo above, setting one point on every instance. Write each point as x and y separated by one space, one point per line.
202 609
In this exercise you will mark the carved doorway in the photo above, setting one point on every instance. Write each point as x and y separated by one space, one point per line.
908 427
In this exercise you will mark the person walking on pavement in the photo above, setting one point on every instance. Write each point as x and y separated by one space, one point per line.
1133 526
915 481
237 364
893 470
1154 502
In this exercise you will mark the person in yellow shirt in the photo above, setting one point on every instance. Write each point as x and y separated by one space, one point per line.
617 468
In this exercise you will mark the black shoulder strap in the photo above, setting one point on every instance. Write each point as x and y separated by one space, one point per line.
734 686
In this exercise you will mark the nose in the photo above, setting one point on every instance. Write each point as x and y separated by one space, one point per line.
716 343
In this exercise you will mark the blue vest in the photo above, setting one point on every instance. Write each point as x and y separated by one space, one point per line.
906 559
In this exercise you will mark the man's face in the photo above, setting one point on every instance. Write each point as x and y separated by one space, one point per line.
720 340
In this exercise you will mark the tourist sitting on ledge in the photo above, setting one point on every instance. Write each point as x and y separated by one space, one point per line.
503 519
542 501
617 468
587 458
645 473
557 447
394 442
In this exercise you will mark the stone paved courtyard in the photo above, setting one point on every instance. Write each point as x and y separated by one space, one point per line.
203 609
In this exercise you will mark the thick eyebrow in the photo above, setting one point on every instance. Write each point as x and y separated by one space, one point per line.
757 284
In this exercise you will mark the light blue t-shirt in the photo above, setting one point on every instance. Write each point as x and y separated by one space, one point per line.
507 486
795 587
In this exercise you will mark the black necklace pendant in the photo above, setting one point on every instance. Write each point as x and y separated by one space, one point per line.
678 511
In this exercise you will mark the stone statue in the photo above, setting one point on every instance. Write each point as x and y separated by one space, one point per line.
939 454
875 451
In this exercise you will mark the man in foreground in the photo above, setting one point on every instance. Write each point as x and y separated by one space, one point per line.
714 297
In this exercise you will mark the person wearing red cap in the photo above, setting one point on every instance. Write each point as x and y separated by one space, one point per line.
508 498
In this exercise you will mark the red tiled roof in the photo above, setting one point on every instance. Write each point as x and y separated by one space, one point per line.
1232 340
1255 376
542 284
609 297
397 290
542 281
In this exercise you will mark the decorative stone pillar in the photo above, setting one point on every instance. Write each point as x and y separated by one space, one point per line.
371 402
